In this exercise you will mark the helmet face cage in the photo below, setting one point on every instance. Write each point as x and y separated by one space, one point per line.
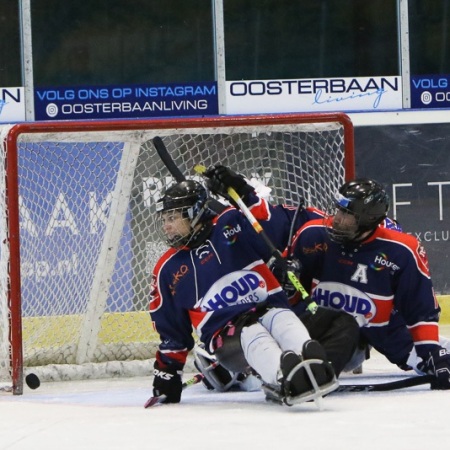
366 201
185 232
186 200
339 234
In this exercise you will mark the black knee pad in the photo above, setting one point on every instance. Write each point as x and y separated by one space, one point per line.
348 322
229 351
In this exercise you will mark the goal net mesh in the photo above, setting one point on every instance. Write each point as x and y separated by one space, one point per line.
88 237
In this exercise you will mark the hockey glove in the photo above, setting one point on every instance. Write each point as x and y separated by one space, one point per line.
438 364
280 269
221 178
167 381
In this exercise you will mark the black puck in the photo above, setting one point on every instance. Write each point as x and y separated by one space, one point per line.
32 380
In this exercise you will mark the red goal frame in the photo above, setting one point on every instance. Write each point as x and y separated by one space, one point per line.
12 188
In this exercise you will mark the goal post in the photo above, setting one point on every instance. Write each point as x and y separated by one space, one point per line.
78 238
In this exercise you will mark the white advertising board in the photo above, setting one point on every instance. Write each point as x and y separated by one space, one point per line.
314 95
12 104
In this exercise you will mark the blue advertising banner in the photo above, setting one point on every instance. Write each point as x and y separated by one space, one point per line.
125 102
430 91
65 217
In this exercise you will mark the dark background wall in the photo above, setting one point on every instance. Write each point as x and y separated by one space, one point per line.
416 155
153 41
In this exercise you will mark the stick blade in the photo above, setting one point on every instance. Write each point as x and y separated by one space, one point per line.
388 386
152 401
163 153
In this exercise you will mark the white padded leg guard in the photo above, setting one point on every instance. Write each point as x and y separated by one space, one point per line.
261 352
263 343
286 328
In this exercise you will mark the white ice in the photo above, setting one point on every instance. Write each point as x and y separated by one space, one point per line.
109 414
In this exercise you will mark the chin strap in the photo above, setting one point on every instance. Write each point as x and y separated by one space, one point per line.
200 236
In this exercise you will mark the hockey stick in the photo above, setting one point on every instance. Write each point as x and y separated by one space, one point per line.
160 398
389 386
163 153
291 230
276 254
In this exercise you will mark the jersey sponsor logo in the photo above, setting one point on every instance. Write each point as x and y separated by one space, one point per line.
346 262
382 262
422 256
155 298
230 233
153 288
176 277
242 286
204 253
207 258
339 296
318 248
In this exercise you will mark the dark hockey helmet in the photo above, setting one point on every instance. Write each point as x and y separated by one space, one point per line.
363 198
190 199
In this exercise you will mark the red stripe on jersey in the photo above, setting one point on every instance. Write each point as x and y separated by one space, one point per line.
311 223
315 210
155 296
197 317
179 356
273 284
383 311
425 332
261 210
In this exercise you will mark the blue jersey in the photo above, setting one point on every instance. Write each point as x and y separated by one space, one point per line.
206 287
384 282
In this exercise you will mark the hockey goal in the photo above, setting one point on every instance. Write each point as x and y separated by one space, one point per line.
78 239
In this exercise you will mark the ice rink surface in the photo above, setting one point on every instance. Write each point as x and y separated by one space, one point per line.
109 414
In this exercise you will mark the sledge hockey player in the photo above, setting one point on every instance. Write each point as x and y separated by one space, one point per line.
378 275
336 331
214 278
